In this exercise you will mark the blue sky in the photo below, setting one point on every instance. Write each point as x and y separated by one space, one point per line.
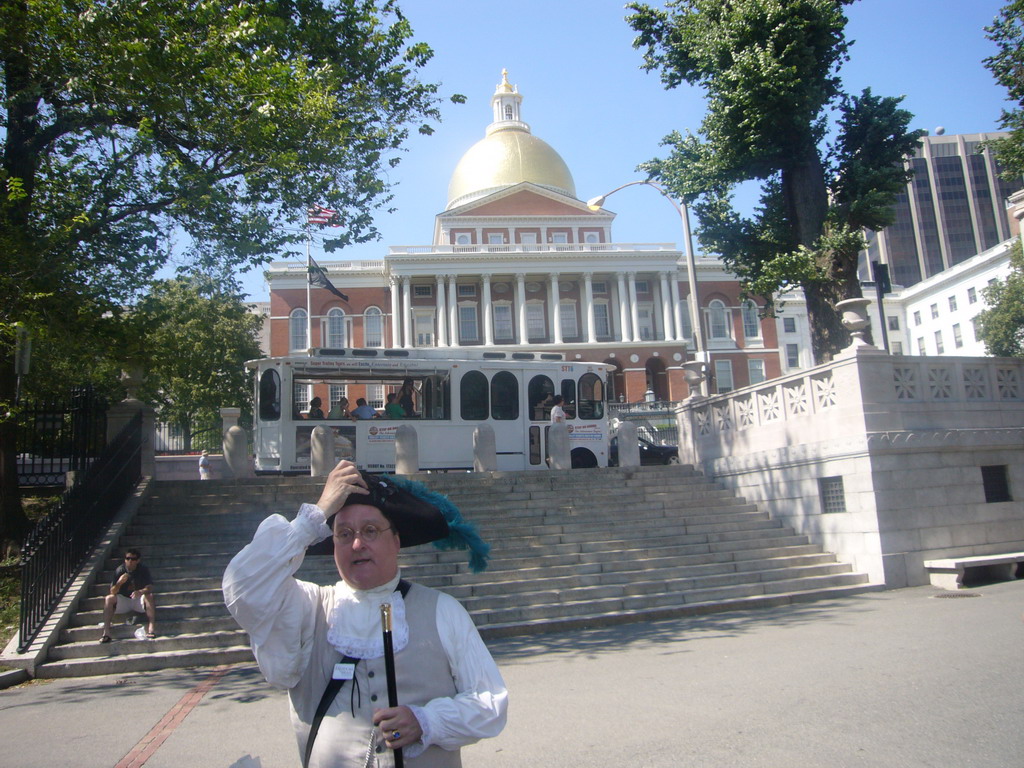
585 94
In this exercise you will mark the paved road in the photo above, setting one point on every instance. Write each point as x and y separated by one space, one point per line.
901 678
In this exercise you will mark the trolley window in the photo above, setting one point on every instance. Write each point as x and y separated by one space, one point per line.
569 398
473 397
270 395
591 404
540 393
504 396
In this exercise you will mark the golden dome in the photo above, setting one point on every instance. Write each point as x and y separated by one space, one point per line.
508 155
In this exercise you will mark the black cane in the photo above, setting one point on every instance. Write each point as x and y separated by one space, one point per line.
389 669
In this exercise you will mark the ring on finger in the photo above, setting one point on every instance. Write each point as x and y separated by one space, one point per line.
395 735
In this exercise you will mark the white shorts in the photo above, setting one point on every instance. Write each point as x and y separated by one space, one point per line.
126 604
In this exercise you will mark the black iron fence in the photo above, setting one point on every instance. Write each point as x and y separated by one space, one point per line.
58 436
195 435
655 421
60 543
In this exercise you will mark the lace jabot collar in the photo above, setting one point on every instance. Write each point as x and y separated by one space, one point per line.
354 626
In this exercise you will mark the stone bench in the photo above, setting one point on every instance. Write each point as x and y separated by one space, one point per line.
948 573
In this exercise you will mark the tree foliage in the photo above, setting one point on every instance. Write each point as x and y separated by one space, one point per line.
1001 326
133 128
1007 66
770 69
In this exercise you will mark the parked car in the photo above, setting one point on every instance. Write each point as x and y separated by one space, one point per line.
650 452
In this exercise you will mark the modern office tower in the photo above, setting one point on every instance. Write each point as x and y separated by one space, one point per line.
953 208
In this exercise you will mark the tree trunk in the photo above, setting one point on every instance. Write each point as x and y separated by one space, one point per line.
14 525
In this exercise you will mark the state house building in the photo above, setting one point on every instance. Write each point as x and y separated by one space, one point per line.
519 262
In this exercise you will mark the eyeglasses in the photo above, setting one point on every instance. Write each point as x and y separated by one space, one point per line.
367 533
131 557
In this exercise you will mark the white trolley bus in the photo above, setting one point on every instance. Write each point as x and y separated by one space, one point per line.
455 391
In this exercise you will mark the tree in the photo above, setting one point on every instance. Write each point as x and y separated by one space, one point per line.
131 129
1007 66
1001 326
197 339
770 69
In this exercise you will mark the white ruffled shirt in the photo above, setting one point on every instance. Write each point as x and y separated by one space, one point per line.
276 610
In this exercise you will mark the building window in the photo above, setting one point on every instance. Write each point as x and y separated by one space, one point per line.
920 346
975 326
503 322
723 376
495 238
373 327
334 394
567 316
718 320
935 311
528 238
751 322
789 324
466 290
958 337
467 323
423 324
336 329
602 328
301 394
645 322
297 330
423 291
463 238
897 347
996 483
917 318
792 356
375 395
833 497
939 346
559 237
599 286
536 327
894 322
972 296
591 237
755 371
952 303
643 286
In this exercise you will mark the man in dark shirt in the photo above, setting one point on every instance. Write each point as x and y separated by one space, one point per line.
131 589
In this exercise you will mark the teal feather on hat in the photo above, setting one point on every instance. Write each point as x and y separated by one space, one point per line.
462 534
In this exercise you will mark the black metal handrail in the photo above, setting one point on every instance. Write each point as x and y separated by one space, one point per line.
55 550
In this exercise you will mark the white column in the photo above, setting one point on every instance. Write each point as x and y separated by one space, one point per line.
396 317
556 315
442 336
624 333
677 307
488 314
666 309
453 312
588 307
521 306
407 313
634 312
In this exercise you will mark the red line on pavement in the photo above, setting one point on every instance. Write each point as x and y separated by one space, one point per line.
150 743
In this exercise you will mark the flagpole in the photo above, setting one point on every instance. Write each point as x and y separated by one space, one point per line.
309 302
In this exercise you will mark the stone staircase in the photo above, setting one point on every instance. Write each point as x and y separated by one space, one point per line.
570 549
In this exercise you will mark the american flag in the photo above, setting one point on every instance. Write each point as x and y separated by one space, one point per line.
322 216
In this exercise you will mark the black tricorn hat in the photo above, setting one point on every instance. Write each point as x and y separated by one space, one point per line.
418 514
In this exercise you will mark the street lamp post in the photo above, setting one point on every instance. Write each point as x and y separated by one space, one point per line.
595 204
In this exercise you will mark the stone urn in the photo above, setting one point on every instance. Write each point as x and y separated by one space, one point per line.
694 373
855 319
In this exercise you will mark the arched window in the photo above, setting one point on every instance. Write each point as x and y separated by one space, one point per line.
539 394
504 397
297 330
508 111
718 320
751 322
373 327
336 329
591 404
270 396
473 397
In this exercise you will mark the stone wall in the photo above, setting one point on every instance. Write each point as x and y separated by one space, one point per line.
906 435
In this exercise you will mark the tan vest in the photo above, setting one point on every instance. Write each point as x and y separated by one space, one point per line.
422 672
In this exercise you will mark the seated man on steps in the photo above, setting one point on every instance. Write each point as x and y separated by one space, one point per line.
324 644
131 589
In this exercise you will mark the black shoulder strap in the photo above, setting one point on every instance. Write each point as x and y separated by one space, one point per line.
331 691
